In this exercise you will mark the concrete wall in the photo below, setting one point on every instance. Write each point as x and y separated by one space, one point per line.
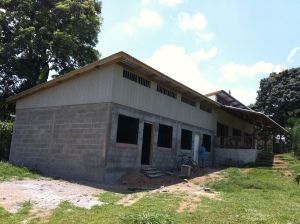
67 141
246 155
122 157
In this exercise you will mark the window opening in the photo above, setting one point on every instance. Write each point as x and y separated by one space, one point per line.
127 129
165 136
188 101
136 78
166 91
205 108
186 139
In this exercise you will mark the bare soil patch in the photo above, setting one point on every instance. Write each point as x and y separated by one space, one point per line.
193 187
46 194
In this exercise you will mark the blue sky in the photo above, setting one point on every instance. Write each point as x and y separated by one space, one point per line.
208 45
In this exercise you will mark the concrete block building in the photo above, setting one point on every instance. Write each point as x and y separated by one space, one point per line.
116 114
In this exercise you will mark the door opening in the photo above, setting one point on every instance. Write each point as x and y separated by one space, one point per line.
207 142
147 144
196 147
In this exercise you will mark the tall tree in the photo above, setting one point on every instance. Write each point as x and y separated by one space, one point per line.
295 133
37 36
279 96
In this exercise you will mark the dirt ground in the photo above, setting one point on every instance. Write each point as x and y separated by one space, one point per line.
46 194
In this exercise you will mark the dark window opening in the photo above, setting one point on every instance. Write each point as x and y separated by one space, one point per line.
222 133
222 130
186 139
165 136
128 128
188 101
166 91
205 108
207 142
135 78
236 132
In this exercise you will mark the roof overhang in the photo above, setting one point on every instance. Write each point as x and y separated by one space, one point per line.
130 63
228 98
256 118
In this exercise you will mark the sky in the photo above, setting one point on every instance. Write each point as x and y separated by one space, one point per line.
208 45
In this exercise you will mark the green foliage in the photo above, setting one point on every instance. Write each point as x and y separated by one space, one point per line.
56 34
278 96
8 172
43 76
5 109
297 178
295 133
6 129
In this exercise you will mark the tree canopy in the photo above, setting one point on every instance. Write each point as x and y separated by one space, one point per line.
54 34
279 96
43 35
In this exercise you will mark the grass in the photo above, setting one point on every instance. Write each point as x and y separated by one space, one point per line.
260 195
9 172
21 215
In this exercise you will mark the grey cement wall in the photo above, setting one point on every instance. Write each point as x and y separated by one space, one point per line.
122 157
65 141
79 141
246 155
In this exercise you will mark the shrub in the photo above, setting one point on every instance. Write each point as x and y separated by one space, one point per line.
297 178
5 139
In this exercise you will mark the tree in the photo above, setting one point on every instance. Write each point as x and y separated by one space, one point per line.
295 133
279 96
38 36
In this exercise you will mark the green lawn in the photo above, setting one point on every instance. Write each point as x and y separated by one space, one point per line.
256 195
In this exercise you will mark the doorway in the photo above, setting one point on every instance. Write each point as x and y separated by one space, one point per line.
196 147
207 142
147 144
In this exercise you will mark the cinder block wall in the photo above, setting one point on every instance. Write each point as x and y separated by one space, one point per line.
246 155
123 157
65 141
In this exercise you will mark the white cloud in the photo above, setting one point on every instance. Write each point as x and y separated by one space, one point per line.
174 62
232 72
292 54
196 22
128 28
244 95
146 1
207 37
147 18
203 56
170 2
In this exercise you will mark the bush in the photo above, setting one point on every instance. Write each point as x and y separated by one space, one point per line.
6 129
